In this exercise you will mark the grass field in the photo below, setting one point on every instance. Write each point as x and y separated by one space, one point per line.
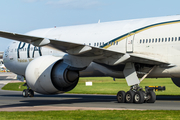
106 85
92 115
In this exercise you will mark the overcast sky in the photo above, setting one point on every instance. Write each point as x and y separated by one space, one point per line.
21 16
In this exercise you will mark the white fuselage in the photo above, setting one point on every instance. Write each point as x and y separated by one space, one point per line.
152 37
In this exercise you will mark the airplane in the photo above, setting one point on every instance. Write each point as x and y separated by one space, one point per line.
2 67
52 59
1 54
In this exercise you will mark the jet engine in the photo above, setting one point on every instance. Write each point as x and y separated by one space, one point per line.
50 75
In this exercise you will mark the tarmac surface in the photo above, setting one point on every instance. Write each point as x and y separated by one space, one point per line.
13 101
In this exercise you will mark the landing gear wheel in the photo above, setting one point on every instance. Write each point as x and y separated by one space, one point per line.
25 93
139 97
121 97
151 97
129 96
31 93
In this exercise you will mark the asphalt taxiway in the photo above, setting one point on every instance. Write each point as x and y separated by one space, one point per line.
13 101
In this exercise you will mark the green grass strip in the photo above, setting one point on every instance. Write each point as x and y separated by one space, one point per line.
92 115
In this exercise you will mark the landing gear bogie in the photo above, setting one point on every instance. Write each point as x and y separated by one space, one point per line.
28 93
136 95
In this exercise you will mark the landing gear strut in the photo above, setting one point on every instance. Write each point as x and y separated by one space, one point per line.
137 95
27 92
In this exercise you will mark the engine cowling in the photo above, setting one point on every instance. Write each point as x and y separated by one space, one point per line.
50 75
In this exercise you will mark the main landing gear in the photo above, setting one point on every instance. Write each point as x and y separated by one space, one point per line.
137 95
27 92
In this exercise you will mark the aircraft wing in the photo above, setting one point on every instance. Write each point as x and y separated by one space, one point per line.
105 56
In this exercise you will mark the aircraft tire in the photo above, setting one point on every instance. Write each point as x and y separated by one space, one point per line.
25 93
129 96
121 97
31 93
139 97
151 97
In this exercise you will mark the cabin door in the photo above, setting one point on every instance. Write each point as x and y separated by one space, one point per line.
130 42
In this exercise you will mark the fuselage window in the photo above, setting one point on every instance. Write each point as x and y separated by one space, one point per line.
165 39
146 40
117 43
149 40
169 39
89 44
140 40
162 39
143 40
159 39
94 44
97 44
152 40
179 38
172 38
175 38
156 39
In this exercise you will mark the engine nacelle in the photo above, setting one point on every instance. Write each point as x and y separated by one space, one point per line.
49 75
176 81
